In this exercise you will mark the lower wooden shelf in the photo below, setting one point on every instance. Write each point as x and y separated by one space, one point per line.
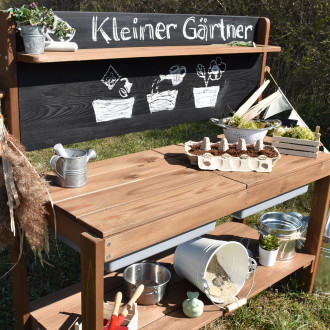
62 309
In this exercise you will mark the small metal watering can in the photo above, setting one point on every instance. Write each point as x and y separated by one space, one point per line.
71 170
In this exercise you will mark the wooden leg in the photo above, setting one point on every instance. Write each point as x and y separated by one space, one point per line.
92 283
315 232
20 287
243 220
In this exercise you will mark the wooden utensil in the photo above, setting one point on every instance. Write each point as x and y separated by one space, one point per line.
114 317
130 303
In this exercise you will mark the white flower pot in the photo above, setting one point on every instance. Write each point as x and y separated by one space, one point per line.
267 258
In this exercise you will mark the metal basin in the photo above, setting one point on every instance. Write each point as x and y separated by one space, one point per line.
280 224
284 226
152 275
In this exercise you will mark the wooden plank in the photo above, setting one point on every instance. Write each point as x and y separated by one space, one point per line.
129 193
140 52
297 153
8 75
81 112
92 286
115 29
161 204
286 166
315 231
20 285
263 39
295 141
174 224
283 145
61 309
137 168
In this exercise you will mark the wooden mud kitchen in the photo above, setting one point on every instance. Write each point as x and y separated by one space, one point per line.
135 72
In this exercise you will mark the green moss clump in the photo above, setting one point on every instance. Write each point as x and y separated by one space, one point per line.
239 122
297 133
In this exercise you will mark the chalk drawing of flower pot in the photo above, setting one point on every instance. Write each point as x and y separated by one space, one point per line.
161 101
206 96
106 110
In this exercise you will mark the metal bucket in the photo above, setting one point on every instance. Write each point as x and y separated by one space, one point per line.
72 170
322 280
192 258
286 226
152 275
34 38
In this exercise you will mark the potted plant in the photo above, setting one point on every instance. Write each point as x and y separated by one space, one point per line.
268 249
33 22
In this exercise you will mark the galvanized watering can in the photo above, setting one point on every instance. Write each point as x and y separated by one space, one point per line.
71 170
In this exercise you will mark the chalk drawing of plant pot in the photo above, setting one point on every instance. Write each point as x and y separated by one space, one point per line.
206 97
106 110
161 101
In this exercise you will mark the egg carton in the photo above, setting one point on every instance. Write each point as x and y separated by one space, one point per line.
229 163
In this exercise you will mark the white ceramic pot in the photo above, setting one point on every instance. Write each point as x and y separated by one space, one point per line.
267 258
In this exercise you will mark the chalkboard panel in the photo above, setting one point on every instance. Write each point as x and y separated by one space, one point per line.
103 30
76 101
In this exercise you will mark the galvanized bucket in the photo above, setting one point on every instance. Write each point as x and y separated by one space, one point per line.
322 280
287 227
71 171
34 38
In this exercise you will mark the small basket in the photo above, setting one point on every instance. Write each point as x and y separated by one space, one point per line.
297 147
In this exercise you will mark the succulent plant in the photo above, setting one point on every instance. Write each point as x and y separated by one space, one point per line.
269 242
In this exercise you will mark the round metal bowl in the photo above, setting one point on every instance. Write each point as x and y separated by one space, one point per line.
152 275
280 224
251 136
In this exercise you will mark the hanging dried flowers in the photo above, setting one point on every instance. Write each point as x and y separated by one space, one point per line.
23 194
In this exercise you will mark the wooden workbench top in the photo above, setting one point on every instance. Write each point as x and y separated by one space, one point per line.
157 194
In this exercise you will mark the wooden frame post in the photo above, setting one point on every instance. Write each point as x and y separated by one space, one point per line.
263 39
8 74
20 286
315 231
92 282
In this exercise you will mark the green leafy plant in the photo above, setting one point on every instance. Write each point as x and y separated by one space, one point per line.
39 16
269 242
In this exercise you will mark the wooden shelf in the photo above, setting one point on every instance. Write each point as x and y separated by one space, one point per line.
62 309
136 52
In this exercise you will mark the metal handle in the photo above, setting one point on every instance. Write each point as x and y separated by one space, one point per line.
217 122
53 165
146 294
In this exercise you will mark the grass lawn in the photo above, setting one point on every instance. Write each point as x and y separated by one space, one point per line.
282 306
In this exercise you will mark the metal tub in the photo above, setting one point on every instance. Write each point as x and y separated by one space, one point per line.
285 226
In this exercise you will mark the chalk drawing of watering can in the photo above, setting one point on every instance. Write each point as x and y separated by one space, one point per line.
71 170
177 73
